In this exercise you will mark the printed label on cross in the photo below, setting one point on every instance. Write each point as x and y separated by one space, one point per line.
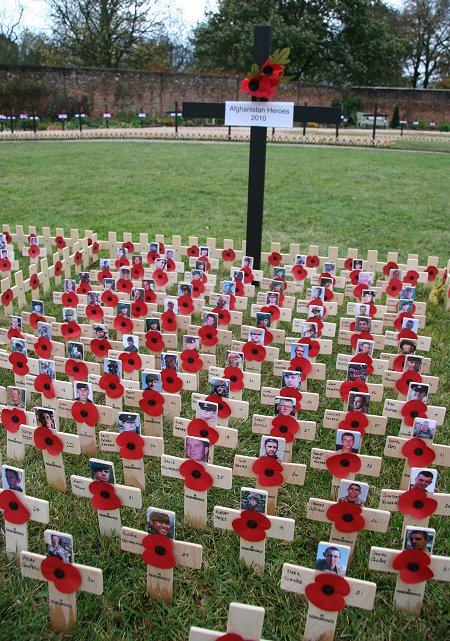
416 505
217 435
244 622
18 509
287 427
417 452
161 554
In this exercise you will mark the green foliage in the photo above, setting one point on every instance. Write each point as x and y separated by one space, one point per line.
17 93
395 121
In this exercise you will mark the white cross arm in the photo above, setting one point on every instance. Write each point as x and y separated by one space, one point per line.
187 554
280 527
91 578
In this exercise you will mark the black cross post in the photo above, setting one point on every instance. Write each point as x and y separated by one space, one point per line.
258 144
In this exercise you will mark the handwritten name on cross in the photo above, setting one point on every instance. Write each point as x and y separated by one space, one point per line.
244 622
18 509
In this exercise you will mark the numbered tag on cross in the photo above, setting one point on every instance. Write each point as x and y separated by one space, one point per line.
244 622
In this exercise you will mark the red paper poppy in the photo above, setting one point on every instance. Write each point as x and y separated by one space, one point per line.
223 316
169 321
299 272
366 359
418 453
139 309
239 288
347 517
129 246
44 384
137 271
328 591
94 312
12 419
193 251
432 272
300 364
195 476
417 503
224 410
111 385
364 336
7 236
248 275
328 295
7 297
348 263
60 242
200 428
236 378
387 268
268 336
131 362
13 510
185 305
158 551
34 281
269 471
78 258
109 299
273 310
325 275
413 566
208 335
85 413
316 302
65 576
341 465
285 427
105 273
412 410
406 333
43 347
399 363
191 361
314 346
70 330
33 251
292 393
151 257
100 346
45 439
84 289
76 369
5 265
58 268
394 288
354 276
197 288
154 341
104 496
358 291
204 260
152 403
275 259
402 385
19 363
123 324
69 299
131 445
30 237
14 333
232 302
356 421
352 386
170 265
312 261
254 352
171 382
149 296
411 277
260 86
124 285
122 262
228 255
95 247
251 525
398 322
160 277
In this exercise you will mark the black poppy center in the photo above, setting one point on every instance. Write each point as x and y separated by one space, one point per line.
151 402
70 330
191 360
48 441
204 433
101 348
252 524
418 451
233 379
298 369
84 413
19 364
131 446
59 574
44 348
76 369
160 550
104 494
348 518
15 419
46 386
196 474
209 336
355 424
123 324
131 361
254 351
283 429
418 505
354 389
220 406
414 414
269 472
14 506
345 462
112 386
413 567
328 590
169 380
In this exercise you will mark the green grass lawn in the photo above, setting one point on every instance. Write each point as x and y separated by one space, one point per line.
369 199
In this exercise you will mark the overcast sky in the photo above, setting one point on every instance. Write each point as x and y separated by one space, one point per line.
36 11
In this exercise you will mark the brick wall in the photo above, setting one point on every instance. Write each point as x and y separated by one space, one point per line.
156 92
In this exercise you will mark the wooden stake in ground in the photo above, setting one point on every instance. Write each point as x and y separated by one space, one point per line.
64 580
161 554
244 622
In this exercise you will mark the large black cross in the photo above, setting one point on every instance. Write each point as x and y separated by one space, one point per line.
258 143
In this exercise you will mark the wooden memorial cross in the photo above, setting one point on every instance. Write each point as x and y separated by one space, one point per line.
18 509
327 594
258 143
253 529
414 568
64 580
161 554
417 452
416 505
244 622
269 472
198 478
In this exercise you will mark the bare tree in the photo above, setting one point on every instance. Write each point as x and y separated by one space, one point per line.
9 35
103 33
